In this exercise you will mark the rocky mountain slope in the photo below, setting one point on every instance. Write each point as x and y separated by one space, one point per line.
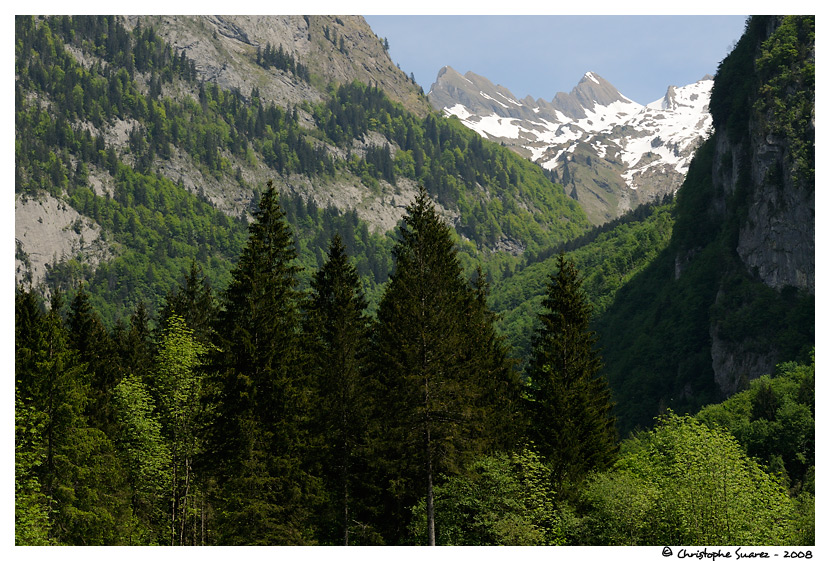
224 51
611 153
123 123
734 292
335 49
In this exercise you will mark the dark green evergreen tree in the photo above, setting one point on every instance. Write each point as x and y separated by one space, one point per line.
426 358
501 419
89 337
193 301
135 344
570 404
337 330
260 394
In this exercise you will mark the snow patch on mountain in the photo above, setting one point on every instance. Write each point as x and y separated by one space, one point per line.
660 135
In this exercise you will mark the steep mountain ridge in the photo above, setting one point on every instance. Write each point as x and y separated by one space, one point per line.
131 121
610 153
223 48
734 292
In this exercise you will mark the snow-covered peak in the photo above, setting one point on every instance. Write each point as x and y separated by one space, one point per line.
646 145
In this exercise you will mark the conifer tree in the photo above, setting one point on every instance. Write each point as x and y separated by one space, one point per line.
260 392
337 335
500 420
570 409
194 301
135 344
426 360
90 339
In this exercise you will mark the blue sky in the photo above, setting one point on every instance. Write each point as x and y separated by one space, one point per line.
542 55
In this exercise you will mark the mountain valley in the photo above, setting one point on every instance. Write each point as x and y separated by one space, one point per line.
270 292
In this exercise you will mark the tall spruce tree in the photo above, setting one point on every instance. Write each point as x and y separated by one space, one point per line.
337 330
95 347
194 301
260 394
501 420
570 409
431 395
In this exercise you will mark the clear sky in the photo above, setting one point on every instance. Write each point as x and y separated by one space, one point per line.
542 55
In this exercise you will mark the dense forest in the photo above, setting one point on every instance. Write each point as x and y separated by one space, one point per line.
291 376
267 415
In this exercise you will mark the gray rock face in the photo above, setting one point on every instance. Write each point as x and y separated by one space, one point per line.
776 235
777 239
49 231
734 365
223 46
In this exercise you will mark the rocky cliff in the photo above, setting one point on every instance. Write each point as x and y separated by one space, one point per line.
734 293
336 49
764 176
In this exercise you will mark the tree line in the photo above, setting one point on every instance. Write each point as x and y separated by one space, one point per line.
269 415
266 415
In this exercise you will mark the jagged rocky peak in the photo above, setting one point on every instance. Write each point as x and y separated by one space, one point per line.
629 153
686 96
476 93
594 89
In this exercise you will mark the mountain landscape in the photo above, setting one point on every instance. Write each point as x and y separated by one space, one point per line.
610 153
269 292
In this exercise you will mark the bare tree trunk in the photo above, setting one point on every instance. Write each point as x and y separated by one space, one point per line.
345 505
175 505
184 503
430 504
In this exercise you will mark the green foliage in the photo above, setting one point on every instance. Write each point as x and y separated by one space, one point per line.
732 91
31 513
685 483
454 164
336 327
786 101
281 60
257 421
570 404
426 358
147 459
608 258
259 394
697 284
81 475
774 421
499 500
178 385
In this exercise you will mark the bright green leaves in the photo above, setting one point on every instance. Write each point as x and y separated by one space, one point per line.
147 458
786 100
499 500
31 516
686 483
